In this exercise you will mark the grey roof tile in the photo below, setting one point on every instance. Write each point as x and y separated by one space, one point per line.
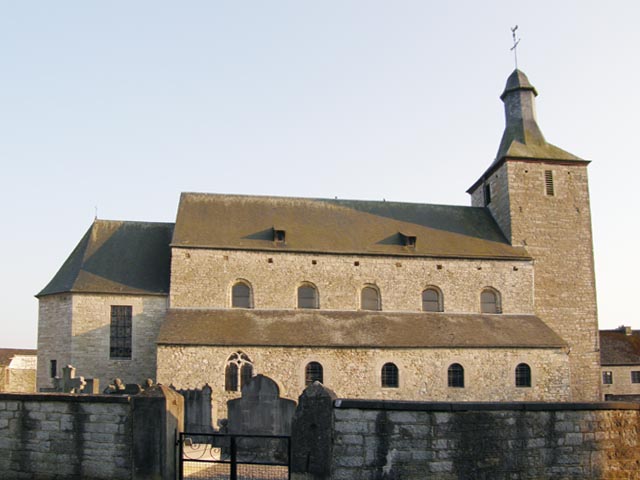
339 226
358 329
117 257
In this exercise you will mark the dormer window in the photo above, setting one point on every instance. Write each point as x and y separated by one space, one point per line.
279 235
408 240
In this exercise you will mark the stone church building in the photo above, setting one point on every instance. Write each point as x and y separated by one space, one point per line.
382 300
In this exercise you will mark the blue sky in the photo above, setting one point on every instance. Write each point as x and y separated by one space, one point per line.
121 106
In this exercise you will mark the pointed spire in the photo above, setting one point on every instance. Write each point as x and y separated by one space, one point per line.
522 137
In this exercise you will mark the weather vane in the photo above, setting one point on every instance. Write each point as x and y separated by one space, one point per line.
515 45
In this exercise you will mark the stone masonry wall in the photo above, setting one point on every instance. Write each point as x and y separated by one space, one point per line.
202 278
355 373
19 380
621 380
89 337
556 231
63 437
54 335
90 437
414 440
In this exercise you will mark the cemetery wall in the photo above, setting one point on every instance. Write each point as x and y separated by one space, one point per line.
56 435
360 439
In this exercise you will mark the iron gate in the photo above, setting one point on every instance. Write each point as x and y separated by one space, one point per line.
218 456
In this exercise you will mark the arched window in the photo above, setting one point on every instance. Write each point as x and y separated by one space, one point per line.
370 299
455 376
523 375
238 371
389 376
307 296
490 301
241 295
432 300
313 373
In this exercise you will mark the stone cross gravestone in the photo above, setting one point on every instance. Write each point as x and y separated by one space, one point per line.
69 383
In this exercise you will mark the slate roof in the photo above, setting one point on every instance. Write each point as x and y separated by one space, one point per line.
321 328
6 354
618 348
339 227
522 139
117 257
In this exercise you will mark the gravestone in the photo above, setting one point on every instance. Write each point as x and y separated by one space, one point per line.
261 411
311 433
197 409
119 388
69 383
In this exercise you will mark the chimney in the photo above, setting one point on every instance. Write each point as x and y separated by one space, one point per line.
627 330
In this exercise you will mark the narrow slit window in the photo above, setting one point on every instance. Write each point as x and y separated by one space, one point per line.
548 183
487 194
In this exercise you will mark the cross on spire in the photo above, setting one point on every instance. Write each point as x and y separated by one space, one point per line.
515 45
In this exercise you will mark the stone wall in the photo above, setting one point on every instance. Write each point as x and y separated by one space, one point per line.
355 373
50 436
621 380
202 278
54 335
556 231
17 380
86 346
449 441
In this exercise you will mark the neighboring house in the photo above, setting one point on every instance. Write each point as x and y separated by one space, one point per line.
17 370
620 363
492 302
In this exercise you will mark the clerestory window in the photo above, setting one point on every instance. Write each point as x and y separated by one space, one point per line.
308 296
432 300
241 295
490 301
370 299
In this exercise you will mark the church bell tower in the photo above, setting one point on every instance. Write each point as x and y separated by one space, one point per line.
539 196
